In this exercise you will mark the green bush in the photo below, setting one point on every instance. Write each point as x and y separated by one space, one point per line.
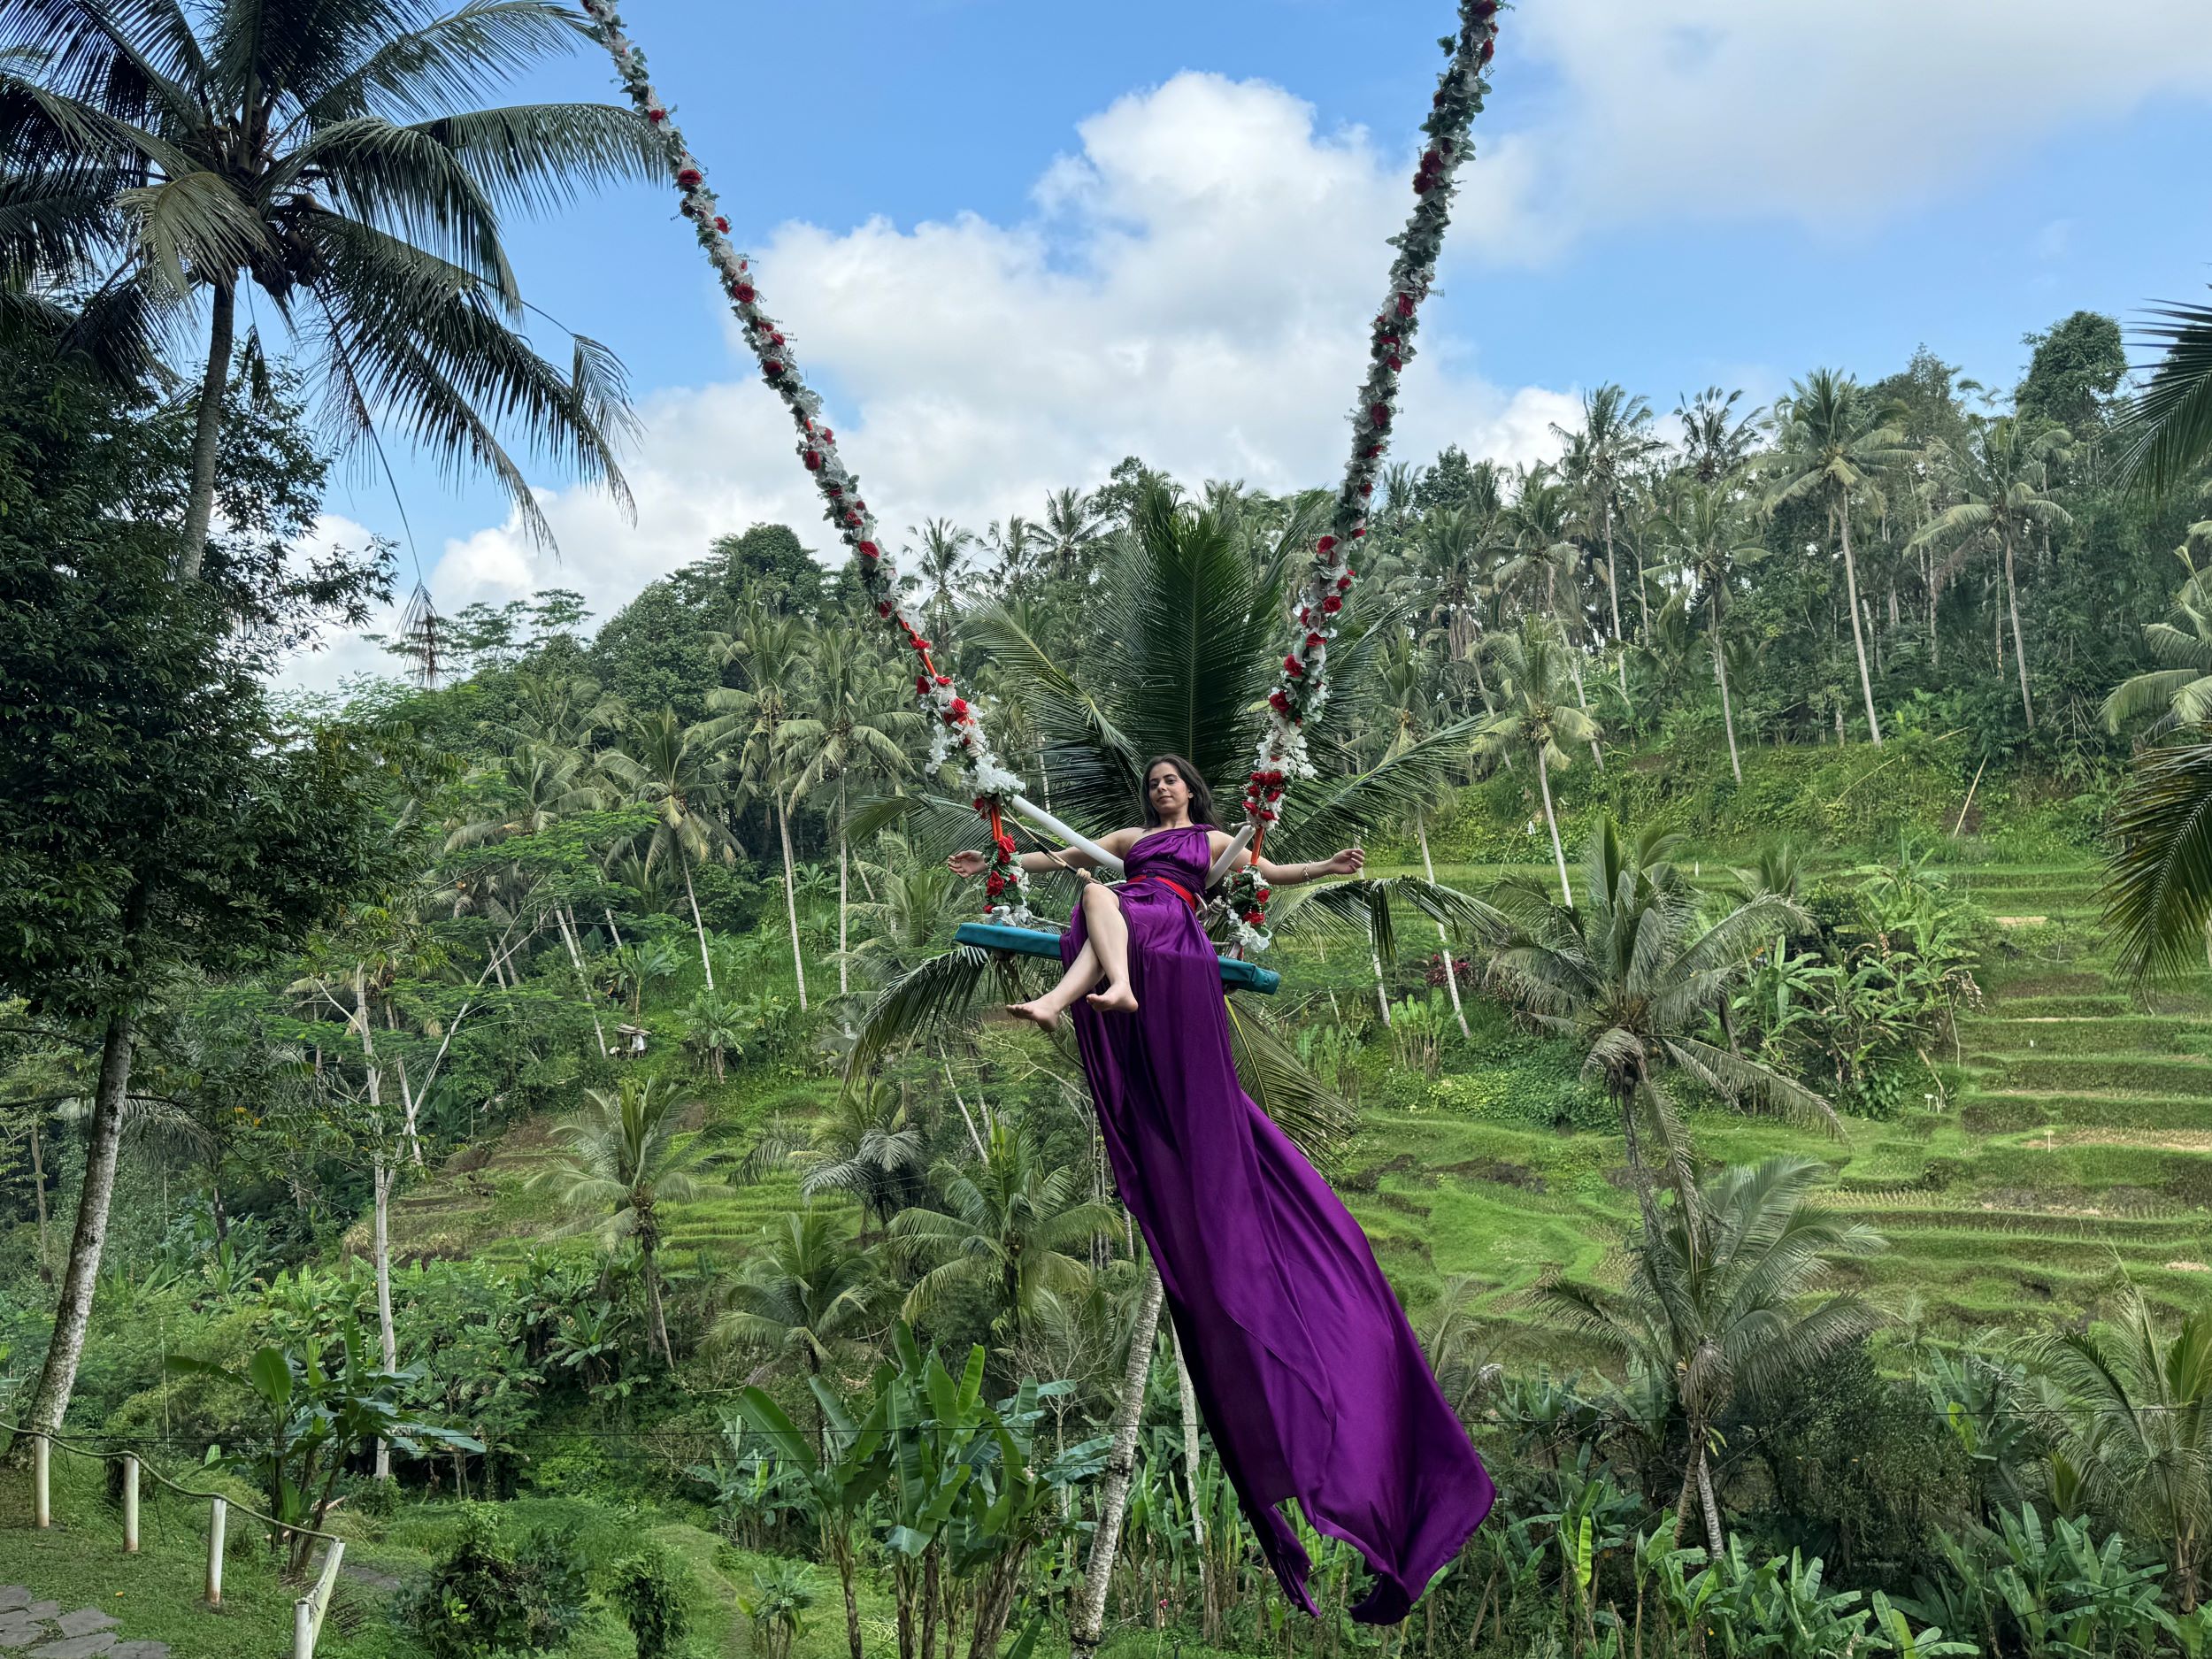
653 1590
484 1598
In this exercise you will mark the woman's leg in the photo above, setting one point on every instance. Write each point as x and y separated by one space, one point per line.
1081 974
1109 936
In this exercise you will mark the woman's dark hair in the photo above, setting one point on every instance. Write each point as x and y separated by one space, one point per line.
1201 798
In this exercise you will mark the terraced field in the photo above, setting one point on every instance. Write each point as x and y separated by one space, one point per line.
2065 1142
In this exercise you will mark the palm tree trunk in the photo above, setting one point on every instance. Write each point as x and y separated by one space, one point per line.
1613 594
2019 646
791 897
1382 992
1451 971
1088 1625
1190 1460
1573 654
1858 634
1639 1176
653 1301
72 1309
1558 853
705 961
199 510
1720 673
380 1178
841 1550
1715 1541
566 925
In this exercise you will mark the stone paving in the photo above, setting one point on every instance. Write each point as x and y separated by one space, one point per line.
40 1630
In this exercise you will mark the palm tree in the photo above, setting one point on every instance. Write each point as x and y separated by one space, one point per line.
1533 714
855 716
2006 490
1070 530
808 1294
329 160
1715 441
1616 436
1632 974
1708 542
1716 1302
623 1158
1012 1227
2171 423
870 1146
775 650
2180 693
1540 529
917 904
680 772
942 549
713 1026
531 790
2143 1438
1834 443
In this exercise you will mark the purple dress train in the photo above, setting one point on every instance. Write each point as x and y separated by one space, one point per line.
1309 1377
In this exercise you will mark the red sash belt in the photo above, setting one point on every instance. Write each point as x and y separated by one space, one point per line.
1181 891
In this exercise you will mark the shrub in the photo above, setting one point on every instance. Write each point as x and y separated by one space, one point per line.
483 1598
652 1588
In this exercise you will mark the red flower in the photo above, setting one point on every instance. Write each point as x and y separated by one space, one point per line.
1295 669
921 689
1380 413
1344 582
1405 305
1486 9
721 224
1332 604
744 292
1277 702
828 436
1367 487
772 368
775 337
1262 894
957 711
1487 48
814 461
869 549
853 517
656 116
688 177
944 679
1395 364
883 607
1313 640
994 884
1255 917
835 490
1358 530
1005 845
1324 544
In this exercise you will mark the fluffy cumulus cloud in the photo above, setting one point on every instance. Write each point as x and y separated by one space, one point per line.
1827 113
1191 287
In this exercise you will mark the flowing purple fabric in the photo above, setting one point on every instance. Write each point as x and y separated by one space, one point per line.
1308 1372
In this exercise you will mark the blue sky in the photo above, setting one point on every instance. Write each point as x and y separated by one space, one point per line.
1015 241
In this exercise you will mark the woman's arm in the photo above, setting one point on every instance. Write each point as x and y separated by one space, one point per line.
972 864
1347 862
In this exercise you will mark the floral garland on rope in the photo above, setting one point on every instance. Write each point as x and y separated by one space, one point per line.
957 732
1302 686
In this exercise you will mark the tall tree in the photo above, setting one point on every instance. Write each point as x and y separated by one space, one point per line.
807 1294
1615 438
623 1157
2004 478
1708 541
2169 425
1630 974
1835 443
327 159
1532 714
1718 1303
765 721
679 772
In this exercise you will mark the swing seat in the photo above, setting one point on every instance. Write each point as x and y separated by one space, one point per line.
1236 975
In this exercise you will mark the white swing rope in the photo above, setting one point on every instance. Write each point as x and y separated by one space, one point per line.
1302 688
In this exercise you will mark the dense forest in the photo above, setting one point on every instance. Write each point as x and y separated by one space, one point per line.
528 1118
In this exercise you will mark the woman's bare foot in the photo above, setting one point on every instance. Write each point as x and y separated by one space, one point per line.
1038 1013
1115 999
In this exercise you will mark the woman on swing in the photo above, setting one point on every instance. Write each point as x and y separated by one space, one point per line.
1159 901
1308 1374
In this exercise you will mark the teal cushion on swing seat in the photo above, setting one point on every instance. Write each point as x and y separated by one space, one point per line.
1028 941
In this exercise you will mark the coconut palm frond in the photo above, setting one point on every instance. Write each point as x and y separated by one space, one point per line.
2157 890
2168 427
1316 1118
941 988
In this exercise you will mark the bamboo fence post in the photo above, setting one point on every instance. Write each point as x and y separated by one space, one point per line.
42 1486
130 1503
307 1612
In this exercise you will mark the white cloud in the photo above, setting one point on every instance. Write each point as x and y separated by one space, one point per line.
1829 113
1192 288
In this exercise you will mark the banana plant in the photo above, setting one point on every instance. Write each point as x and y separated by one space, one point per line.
1893 1631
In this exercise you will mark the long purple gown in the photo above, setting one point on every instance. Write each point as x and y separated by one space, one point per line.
1304 1362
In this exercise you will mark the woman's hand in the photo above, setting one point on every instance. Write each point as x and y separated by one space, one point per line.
1347 862
967 863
